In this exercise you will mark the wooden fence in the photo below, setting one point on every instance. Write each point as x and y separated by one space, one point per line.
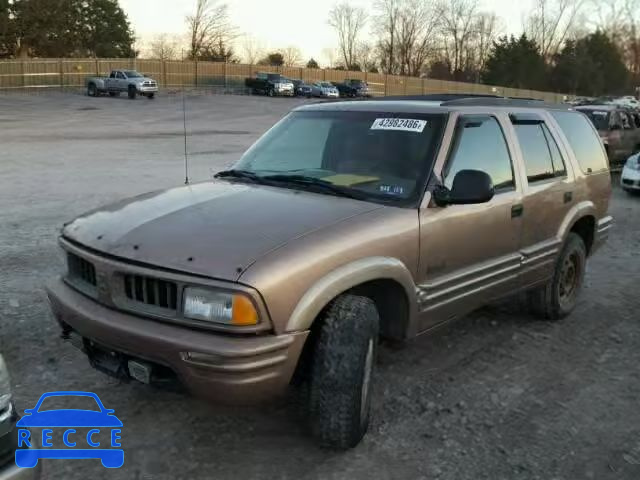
71 72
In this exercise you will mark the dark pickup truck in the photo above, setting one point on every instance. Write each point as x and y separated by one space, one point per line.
353 88
270 84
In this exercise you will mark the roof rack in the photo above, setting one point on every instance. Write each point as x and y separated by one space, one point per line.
436 97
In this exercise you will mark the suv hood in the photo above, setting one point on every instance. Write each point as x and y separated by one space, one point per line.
216 229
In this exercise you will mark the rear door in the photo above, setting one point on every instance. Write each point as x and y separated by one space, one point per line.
548 193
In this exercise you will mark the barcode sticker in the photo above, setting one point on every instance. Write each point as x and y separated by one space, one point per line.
402 124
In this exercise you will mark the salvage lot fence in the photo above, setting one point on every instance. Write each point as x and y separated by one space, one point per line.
72 72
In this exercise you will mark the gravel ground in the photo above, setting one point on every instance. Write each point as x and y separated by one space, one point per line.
498 395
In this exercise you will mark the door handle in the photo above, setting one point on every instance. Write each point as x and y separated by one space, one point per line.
568 197
517 210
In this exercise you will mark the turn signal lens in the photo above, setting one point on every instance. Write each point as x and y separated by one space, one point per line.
244 313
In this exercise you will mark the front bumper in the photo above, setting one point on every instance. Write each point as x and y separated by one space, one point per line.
147 89
286 91
226 368
630 179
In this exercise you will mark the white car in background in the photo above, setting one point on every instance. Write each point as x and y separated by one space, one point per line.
328 90
628 101
630 178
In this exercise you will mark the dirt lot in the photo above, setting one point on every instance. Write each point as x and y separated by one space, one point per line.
497 396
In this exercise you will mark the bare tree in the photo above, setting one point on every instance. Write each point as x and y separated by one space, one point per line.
348 21
252 50
551 22
292 56
486 30
365 54
457 27
385 26
209 26
415 35
164 47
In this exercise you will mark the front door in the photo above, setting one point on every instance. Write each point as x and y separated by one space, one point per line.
469 253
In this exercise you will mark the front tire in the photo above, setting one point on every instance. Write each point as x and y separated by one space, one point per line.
131 92
151 96
342 368
559 296
92 90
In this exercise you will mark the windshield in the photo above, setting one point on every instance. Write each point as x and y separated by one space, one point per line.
599 118
327 85
132 74
384 156
275 78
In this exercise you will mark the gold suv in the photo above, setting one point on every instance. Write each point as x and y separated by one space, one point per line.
344 223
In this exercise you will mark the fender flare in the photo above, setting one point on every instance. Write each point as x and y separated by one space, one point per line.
348 276
578 211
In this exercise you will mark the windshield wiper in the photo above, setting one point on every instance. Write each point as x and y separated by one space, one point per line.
316 183
241 174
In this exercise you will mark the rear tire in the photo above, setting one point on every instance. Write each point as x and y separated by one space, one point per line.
559 296
131 92
342 368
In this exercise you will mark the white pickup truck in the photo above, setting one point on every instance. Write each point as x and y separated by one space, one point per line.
118 81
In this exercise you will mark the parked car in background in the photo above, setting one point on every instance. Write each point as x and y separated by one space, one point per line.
271 84
8 434
327 90
630 177
353 88
130 81
628 101
618 129
308 90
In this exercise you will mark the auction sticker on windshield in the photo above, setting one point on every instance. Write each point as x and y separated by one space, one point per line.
402 124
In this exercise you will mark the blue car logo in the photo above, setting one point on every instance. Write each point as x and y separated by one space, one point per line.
62 421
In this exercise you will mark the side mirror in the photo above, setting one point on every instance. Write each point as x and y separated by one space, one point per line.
469 187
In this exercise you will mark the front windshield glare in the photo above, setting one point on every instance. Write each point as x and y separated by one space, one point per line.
385 156
132 74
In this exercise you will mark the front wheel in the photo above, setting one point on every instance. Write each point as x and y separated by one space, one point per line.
151 96
342 368
270 92
559 296
92 90
131 92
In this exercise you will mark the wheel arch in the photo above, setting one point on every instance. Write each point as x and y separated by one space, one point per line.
385 280
581 219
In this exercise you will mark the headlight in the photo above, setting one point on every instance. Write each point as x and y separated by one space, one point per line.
219 307
5 386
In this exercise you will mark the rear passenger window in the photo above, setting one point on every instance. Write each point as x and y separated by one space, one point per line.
480 145
540 152
584 141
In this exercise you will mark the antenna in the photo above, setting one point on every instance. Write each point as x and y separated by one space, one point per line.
184 125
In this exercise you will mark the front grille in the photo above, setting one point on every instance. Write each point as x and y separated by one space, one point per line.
151 291
81 269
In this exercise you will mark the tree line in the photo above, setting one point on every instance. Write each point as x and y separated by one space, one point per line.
585 47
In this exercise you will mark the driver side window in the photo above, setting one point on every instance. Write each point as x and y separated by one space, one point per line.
120 75
479 144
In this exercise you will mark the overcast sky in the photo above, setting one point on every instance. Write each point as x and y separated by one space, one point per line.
279 23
